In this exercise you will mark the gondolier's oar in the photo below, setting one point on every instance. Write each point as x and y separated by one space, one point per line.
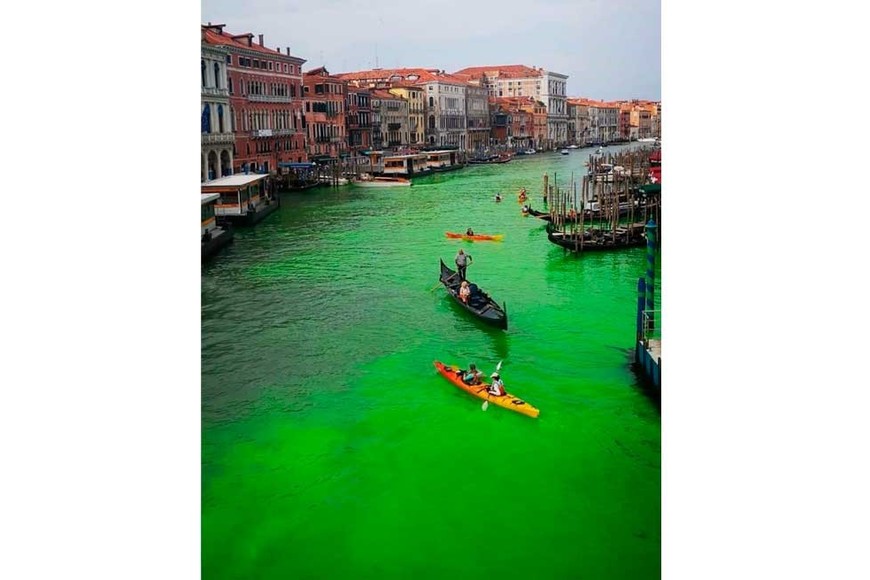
440 282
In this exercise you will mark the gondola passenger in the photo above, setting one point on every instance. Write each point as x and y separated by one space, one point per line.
464 291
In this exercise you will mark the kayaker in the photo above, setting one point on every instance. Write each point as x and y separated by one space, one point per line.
473 375
469 232
497 386
498 197
464 291
462 260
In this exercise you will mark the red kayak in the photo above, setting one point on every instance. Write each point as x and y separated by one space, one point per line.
477 237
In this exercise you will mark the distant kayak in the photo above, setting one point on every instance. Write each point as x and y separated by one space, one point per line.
506 401
477 237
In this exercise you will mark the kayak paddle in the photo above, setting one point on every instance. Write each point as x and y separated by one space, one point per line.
486 402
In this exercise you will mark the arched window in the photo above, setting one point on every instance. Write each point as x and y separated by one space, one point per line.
205 121
202 67
431 121
220 118
217 75
431 102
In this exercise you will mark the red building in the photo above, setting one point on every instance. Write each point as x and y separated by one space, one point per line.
266 100
325 115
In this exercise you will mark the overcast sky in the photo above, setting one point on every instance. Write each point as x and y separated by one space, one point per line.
610 49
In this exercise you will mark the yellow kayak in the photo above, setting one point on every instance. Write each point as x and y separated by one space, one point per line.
507 400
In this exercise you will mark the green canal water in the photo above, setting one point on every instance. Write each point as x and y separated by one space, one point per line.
331 448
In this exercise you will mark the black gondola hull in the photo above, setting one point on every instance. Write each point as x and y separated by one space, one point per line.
481 306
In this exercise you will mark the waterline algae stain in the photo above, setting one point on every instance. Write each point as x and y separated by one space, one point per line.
331 448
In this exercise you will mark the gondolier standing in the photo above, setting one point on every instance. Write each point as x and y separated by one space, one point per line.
462 261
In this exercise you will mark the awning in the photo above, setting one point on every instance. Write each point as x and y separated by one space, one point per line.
650 188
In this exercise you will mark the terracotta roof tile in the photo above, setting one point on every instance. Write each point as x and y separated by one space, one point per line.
212 36
510 71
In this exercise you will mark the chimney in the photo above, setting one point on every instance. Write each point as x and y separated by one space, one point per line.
261 39
288 50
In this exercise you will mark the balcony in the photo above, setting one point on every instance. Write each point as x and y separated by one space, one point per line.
217 138
215 92
394 126
271 98
260 133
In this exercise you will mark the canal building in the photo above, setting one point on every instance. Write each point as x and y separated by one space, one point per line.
548 87
416 111
265 89
391 120
325 116
624 123
213 237
443 101
578 122
520 122
477 117
216 142
358 120
245 198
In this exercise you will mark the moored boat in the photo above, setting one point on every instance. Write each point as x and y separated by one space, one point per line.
506 401
476 237
479 303
594 239
384 182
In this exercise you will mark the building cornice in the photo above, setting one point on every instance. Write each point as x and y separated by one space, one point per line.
289 59
215 51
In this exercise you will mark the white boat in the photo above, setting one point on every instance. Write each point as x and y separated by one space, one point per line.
530 151
329 180
383 182
564 152
573 146
647 140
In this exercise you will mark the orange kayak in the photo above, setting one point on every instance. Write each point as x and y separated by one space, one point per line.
477 237
507 400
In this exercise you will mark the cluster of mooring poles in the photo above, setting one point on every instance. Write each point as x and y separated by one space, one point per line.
607 208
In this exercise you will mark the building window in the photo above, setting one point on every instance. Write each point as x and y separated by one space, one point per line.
217 75
270 65
205 121
202 67
229 59
220 118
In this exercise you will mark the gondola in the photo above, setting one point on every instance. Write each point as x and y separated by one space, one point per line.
479 303
593 240
588 215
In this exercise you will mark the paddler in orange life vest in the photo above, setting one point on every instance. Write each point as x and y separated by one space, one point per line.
497 386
